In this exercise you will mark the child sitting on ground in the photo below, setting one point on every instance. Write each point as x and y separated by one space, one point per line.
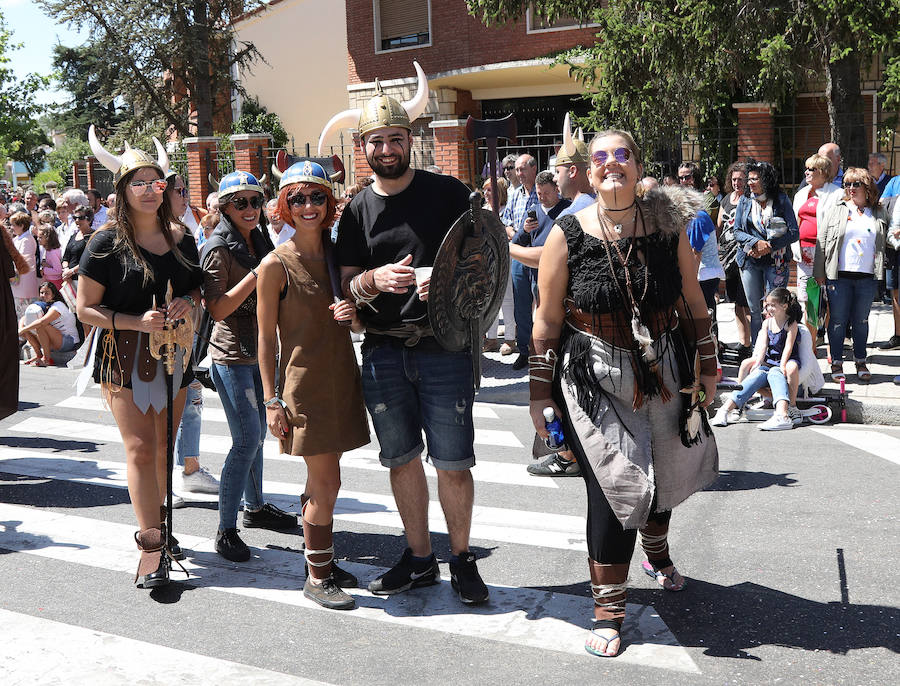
776 362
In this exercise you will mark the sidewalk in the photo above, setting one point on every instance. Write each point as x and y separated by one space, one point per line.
877 402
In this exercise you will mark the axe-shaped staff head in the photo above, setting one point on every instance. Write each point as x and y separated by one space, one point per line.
491 130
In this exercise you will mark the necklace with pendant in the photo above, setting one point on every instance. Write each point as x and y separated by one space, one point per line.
605 220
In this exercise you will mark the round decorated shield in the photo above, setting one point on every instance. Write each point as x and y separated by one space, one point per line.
469 279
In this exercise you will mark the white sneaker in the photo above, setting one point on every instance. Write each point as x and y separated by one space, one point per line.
795 416
777 422
200 481
720 418
178 502
735 416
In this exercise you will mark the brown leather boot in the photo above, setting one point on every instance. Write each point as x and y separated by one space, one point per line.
176 551
153 569
320 586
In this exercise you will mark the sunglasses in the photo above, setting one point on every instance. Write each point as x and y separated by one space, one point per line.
854 184
141 187
622 155
687 177
811 171
79 217
508 168
317 198
240 204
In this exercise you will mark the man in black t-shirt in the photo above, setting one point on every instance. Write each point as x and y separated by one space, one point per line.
409 381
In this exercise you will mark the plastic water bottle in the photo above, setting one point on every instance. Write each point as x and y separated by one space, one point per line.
556 440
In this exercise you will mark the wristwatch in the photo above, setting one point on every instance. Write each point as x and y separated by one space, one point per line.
272 402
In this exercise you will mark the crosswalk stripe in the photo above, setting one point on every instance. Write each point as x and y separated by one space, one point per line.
216 414
507 473
545 529
40 651
875 442
519 616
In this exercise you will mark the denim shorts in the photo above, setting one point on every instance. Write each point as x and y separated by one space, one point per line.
408 390
68 343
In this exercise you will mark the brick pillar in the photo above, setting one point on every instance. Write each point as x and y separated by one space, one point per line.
756 130
361 166
251 152
453 152
76 170
202 158
90 163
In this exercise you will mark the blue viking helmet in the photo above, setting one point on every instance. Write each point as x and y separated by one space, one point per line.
238 181
305 171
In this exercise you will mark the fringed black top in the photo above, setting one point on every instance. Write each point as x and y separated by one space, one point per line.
592 280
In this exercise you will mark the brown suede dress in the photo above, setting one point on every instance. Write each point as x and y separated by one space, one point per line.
320 379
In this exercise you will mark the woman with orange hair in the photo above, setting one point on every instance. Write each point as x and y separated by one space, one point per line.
319 413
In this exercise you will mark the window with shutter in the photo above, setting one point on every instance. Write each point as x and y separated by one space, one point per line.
535 22
402 23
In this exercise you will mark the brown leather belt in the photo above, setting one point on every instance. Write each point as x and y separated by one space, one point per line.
615 327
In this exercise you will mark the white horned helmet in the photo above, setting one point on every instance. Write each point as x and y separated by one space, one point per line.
131 159
573 150
380 111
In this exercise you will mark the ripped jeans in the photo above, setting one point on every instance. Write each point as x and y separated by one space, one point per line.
187 442
240 390
408 390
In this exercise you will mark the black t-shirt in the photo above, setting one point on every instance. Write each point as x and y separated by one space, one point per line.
376 230
74 250
123 277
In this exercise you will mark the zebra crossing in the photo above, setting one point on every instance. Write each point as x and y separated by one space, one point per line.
75 444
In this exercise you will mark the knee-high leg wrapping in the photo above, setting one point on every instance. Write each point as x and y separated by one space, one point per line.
608 587
319 548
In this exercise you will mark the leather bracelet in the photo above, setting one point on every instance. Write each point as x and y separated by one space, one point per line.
541 367
704 344
253 271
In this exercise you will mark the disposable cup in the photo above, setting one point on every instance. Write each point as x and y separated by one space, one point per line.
423 273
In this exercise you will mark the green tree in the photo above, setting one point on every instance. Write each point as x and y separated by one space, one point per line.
60 158
655 62
170 57
256 118
91 80
20 134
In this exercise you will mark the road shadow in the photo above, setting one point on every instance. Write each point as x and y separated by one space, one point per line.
737 480
37 491
53 444
33 541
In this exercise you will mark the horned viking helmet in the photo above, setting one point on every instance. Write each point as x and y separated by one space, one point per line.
131 159
380 111
573 150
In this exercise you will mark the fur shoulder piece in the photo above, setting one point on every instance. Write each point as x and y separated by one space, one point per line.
672 206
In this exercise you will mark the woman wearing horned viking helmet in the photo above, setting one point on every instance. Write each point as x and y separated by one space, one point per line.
319 412
123 279
619 311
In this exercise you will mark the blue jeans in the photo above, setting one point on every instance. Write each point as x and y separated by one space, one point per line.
759 378
187 442
408 390
522 299
757 281
849 301
240 389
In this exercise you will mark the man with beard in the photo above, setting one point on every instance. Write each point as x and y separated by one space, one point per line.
409 381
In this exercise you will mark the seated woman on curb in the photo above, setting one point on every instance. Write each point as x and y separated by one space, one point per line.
776 362
54 332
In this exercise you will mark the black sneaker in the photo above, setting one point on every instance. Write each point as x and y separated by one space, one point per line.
341 577
466 580
328 594
403 576
230 546
555 465
891 344
269 517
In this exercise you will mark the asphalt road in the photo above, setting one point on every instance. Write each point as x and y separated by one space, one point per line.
791 560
